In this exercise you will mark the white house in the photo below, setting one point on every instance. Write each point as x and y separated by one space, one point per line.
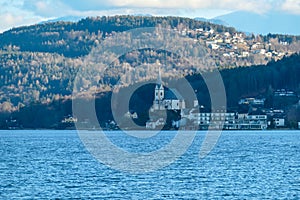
269 54
245 54
263 51
154 124
214 46
279 122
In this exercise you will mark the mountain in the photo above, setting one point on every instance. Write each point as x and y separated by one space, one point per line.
142 15
213 21
38 65
271 22
63 19
75 39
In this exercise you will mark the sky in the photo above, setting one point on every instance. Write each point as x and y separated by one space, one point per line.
15 13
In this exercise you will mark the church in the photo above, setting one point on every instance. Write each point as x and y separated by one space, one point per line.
167 99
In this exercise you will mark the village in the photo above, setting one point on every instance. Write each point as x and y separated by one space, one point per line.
250 115
238 47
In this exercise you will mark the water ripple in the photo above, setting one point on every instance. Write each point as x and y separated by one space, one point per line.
243 165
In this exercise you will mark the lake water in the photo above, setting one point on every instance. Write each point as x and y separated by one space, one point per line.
243 165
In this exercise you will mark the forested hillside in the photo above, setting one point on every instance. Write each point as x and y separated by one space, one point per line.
38 64
239 83
77 39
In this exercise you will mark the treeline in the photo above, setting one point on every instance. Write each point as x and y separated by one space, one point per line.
243 82
77 39
286 38
27 77
239 83
262 80
38 64
43 78
256 81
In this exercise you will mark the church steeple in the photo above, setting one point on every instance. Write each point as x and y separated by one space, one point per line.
159 88
159 81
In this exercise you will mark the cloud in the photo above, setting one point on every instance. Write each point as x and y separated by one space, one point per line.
61 7
21 12
88 5
57 8
250 5
194 4
291 6
12 16
9 20
46 8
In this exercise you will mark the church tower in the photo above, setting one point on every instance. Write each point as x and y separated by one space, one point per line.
159 89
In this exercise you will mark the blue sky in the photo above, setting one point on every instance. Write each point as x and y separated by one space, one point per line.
15 13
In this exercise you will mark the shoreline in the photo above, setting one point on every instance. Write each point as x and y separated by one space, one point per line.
200 130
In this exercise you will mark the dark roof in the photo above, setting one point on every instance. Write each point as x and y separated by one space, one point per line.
173 94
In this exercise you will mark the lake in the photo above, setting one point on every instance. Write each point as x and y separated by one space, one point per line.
243 165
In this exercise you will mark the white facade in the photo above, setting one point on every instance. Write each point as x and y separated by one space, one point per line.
279 122
159 93
154 124
206 119
256 117
214 46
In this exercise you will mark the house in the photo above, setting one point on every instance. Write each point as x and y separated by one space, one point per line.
227 40
227 34
245 54
269 54
255 46
132 115
252 102
279 122
12 123
173 100
215 120
214 46
263 51
226 55
284 92
211 31
155 124
219 40
232 54
283 43
69 119
253 121
278 118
